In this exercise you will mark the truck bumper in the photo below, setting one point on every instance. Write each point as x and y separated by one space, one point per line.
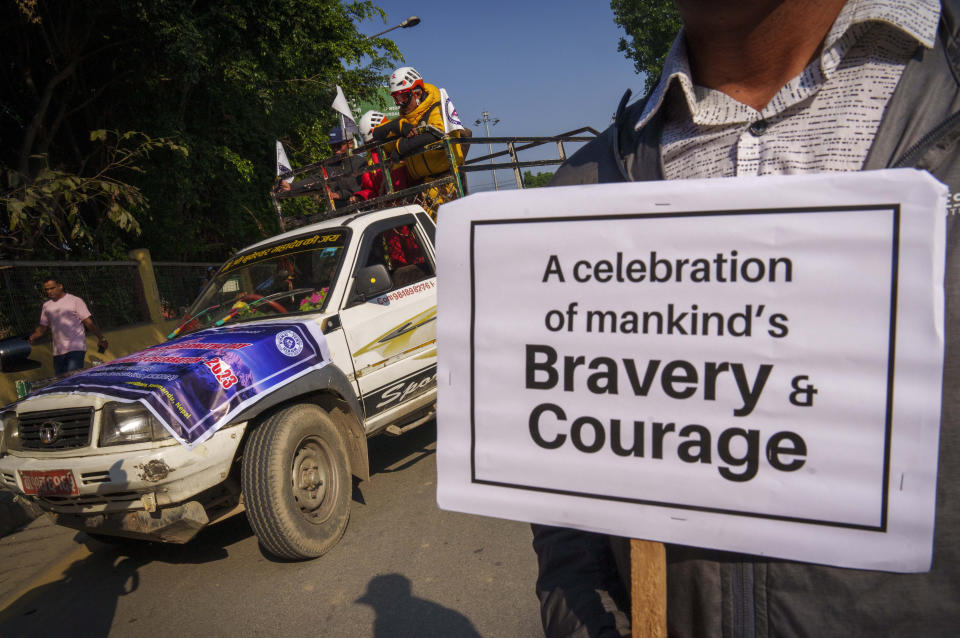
177 524
133 479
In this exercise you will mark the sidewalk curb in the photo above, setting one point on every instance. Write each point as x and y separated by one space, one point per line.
15 512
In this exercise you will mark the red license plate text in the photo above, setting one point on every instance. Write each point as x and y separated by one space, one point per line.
49 483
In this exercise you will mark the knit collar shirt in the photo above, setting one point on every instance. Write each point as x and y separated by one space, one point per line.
824 119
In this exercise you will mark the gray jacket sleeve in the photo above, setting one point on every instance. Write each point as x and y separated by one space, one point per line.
579 587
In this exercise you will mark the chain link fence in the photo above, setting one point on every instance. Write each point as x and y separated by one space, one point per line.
179 284
112 291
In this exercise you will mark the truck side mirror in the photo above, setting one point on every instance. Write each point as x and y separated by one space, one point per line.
373 281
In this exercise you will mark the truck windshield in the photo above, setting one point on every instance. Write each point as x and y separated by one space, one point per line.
289 277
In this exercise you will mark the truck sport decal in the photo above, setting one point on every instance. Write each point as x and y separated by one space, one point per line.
401 390
196 384
390 342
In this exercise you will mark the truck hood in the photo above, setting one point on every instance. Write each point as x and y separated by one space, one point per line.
196 384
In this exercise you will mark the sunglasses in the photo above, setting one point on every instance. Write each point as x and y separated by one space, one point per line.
402 97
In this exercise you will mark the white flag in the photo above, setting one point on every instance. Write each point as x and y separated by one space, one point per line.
283 164
451 119
341 106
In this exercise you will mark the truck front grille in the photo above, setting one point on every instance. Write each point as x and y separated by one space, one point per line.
56 429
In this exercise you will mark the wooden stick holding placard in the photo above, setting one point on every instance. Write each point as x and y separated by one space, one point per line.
648 589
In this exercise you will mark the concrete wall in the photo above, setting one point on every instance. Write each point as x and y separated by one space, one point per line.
123 341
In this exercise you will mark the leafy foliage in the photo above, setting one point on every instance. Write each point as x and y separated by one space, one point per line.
651 26
66 212
531 180
216 83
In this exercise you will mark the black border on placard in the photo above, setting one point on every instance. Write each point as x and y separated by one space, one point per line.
888 419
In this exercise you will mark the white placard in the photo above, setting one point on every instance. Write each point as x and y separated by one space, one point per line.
750 364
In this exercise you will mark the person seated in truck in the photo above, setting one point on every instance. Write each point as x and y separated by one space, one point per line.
344 177
280 277
420 124
371 183
400 251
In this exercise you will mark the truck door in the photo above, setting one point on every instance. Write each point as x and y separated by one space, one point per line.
392 337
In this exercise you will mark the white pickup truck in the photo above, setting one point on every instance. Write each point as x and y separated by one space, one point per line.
115 463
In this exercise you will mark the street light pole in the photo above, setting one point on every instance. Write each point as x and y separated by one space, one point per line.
412 21
486 121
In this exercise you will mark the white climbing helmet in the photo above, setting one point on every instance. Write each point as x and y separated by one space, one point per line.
369 121
404 79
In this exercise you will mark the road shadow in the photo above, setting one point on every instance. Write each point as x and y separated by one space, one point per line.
84 600
387 451
82 603
401 614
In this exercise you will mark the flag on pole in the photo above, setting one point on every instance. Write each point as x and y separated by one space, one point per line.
451 119
283 168
283 164
341 106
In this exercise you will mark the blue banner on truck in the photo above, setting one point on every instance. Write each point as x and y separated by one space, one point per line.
196 384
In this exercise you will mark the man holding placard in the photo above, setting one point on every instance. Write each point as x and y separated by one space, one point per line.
755 88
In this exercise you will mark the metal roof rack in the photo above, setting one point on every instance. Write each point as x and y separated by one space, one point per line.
311 180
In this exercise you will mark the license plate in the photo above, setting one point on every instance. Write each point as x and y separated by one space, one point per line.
49 483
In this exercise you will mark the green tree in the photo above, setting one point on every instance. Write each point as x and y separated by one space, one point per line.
49 211
220 81
531 180
651 26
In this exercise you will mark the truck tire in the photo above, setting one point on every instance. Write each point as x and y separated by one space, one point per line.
297 483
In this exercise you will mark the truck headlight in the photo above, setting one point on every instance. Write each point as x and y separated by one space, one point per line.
9 428
123 423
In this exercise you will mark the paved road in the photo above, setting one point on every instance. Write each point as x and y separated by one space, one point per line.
403 568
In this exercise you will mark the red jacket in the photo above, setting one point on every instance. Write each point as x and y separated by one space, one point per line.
371 184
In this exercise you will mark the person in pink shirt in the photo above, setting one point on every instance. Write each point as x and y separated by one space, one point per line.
67 316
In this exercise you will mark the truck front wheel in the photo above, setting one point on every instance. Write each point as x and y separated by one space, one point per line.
296 483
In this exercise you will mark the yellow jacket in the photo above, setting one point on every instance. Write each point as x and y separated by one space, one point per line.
434 162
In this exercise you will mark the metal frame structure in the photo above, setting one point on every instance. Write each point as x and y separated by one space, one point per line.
312 179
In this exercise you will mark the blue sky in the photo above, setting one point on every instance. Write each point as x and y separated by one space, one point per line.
541 68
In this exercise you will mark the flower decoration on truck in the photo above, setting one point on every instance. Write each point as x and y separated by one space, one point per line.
314 301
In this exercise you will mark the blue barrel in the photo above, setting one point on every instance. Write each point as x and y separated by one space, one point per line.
14 352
